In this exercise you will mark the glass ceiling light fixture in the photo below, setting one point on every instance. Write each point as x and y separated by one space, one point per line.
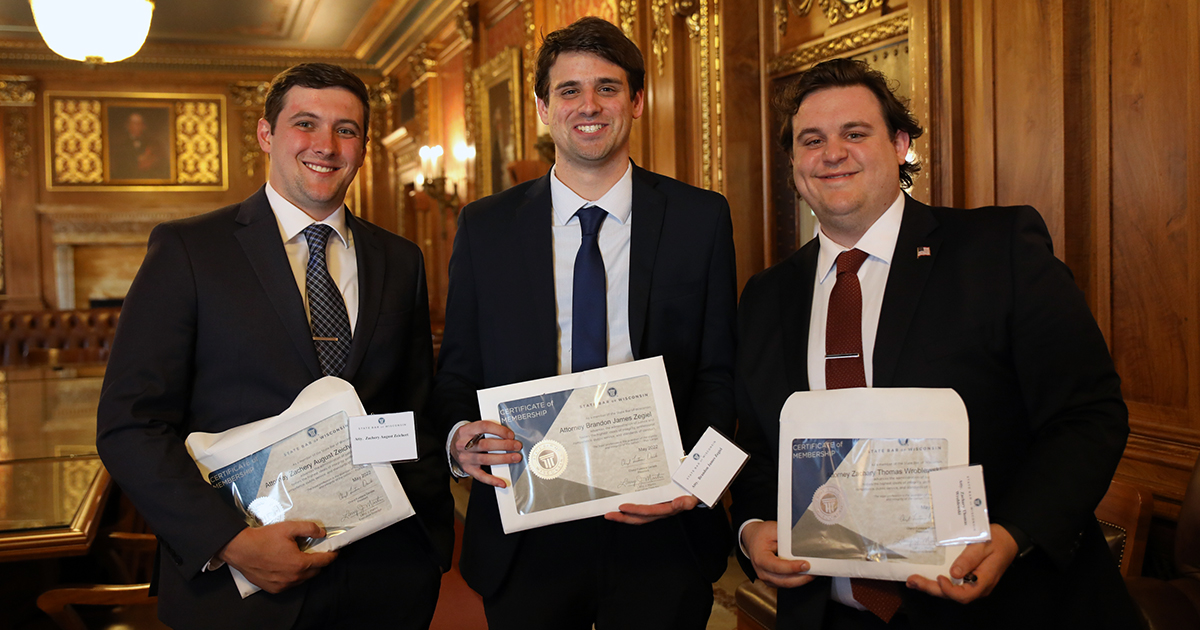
93 31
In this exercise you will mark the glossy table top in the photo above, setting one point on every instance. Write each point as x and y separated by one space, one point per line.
52 484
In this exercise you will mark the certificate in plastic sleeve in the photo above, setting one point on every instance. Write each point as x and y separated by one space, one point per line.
297 466
854 494
590 442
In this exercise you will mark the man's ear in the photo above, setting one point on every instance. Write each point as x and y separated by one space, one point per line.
639 103
901 143
543 111
264 135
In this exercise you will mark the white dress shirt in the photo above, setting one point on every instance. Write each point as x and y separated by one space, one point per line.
339 257
614 249
566 235
879 242
339 252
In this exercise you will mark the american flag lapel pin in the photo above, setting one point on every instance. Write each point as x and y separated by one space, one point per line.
923 251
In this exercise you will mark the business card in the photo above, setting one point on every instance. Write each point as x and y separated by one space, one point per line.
383 438
960 514
708 470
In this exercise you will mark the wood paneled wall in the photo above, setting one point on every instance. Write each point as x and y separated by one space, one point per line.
1088 111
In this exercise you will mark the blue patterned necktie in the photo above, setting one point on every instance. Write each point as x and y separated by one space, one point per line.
589 306
327 309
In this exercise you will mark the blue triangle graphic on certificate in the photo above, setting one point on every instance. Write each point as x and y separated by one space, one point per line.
533 494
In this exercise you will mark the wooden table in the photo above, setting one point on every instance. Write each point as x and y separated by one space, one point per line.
53 487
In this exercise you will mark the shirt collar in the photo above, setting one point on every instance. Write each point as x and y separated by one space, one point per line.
618 201
293 220
879 241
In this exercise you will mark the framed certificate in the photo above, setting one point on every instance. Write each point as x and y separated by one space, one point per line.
590 442
854 493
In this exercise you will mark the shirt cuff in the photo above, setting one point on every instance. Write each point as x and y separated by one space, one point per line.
213 564
743 526
455 469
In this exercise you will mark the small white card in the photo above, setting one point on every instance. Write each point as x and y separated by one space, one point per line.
708 470
383 438
960 513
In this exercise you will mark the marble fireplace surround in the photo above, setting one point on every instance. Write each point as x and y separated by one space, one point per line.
95 251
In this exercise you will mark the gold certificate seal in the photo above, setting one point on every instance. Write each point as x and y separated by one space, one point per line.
828 504
548 459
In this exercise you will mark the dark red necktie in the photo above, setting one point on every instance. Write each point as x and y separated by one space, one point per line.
844 368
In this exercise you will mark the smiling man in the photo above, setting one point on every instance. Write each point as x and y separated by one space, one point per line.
597 263
232 314
895 293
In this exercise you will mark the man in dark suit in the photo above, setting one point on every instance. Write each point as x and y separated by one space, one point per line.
972 300
523 261
216 332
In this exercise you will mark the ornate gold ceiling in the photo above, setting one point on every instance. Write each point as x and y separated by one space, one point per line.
252 35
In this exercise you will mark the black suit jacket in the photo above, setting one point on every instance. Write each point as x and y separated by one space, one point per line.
501 328
992 314
214 334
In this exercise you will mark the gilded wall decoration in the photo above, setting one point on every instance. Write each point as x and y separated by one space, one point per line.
835 10
530 60
381 97
250 96
627 17
198 142
661 36
19 147
842 10
74 138
462 22
805 56
136 141
17 91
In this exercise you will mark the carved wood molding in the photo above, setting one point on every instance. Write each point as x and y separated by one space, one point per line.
78 225
828 48
627 16
18 91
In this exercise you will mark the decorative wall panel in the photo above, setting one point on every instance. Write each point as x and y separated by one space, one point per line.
136 141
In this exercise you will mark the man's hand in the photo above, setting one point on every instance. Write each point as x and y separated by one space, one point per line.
987 561
761 541
270 557
640 514
470 449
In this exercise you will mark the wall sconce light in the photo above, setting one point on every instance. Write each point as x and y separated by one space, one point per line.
94 31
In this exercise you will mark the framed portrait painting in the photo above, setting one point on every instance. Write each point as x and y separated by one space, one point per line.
136 141
497 85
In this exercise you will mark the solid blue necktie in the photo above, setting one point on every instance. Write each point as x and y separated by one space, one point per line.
589 306
326 308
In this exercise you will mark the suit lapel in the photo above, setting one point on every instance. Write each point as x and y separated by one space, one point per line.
539 320
795 299
649 210
370 258
260 240
906 282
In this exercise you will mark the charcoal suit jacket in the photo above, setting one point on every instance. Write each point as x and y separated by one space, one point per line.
988 311
213 335
501 328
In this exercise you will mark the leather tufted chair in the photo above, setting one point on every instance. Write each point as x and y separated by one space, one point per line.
57 336
1167 605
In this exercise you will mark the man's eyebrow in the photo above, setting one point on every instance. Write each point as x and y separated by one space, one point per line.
853 124
343 121
576 83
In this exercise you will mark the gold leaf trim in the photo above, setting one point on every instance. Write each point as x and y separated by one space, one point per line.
819 51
